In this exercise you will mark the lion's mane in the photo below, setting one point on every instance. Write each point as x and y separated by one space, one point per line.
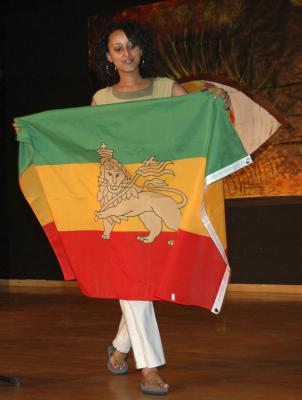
104 195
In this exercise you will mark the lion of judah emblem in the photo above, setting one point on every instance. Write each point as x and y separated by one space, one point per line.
121 197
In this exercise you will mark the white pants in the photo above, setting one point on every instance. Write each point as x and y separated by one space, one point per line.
138 328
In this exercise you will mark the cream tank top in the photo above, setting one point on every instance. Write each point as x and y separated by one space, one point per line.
159 87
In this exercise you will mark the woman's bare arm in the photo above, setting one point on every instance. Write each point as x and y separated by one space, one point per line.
178 90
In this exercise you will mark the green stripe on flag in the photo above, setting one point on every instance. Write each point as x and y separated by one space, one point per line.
169 129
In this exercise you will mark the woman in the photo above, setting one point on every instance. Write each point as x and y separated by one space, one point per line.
123 61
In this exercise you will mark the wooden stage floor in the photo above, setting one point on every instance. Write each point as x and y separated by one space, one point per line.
55 339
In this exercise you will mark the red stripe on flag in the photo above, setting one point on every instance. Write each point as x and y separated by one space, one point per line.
189 272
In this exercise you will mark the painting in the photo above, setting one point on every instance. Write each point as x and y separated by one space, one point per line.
253 49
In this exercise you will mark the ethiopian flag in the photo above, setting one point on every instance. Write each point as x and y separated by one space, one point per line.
130 195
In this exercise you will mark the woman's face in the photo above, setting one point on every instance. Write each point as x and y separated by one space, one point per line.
122 53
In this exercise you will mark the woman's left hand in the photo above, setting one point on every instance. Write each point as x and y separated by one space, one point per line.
225 97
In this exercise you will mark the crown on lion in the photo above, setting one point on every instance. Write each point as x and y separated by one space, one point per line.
103 152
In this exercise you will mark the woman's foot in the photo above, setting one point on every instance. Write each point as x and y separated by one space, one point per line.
117 363
118 359
152 382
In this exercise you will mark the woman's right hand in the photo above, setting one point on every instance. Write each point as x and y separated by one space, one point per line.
16 128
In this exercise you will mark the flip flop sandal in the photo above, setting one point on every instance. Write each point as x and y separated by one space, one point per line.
153 390
116 371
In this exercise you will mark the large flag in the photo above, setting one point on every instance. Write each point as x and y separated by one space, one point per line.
130 195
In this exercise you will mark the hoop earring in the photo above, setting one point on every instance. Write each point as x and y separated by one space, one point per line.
108 68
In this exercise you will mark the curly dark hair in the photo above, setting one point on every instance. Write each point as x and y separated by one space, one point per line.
139 36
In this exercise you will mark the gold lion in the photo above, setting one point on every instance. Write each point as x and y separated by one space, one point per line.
120 199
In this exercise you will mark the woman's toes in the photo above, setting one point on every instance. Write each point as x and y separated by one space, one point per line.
152 379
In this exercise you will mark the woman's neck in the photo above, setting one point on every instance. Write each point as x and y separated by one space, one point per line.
131 82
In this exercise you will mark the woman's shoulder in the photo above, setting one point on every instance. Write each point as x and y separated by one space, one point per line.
101 96
163 80
163 86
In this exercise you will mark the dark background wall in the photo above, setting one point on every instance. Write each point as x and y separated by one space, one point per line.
44 65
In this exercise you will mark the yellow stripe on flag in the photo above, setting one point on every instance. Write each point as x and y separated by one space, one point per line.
33 191
72 196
